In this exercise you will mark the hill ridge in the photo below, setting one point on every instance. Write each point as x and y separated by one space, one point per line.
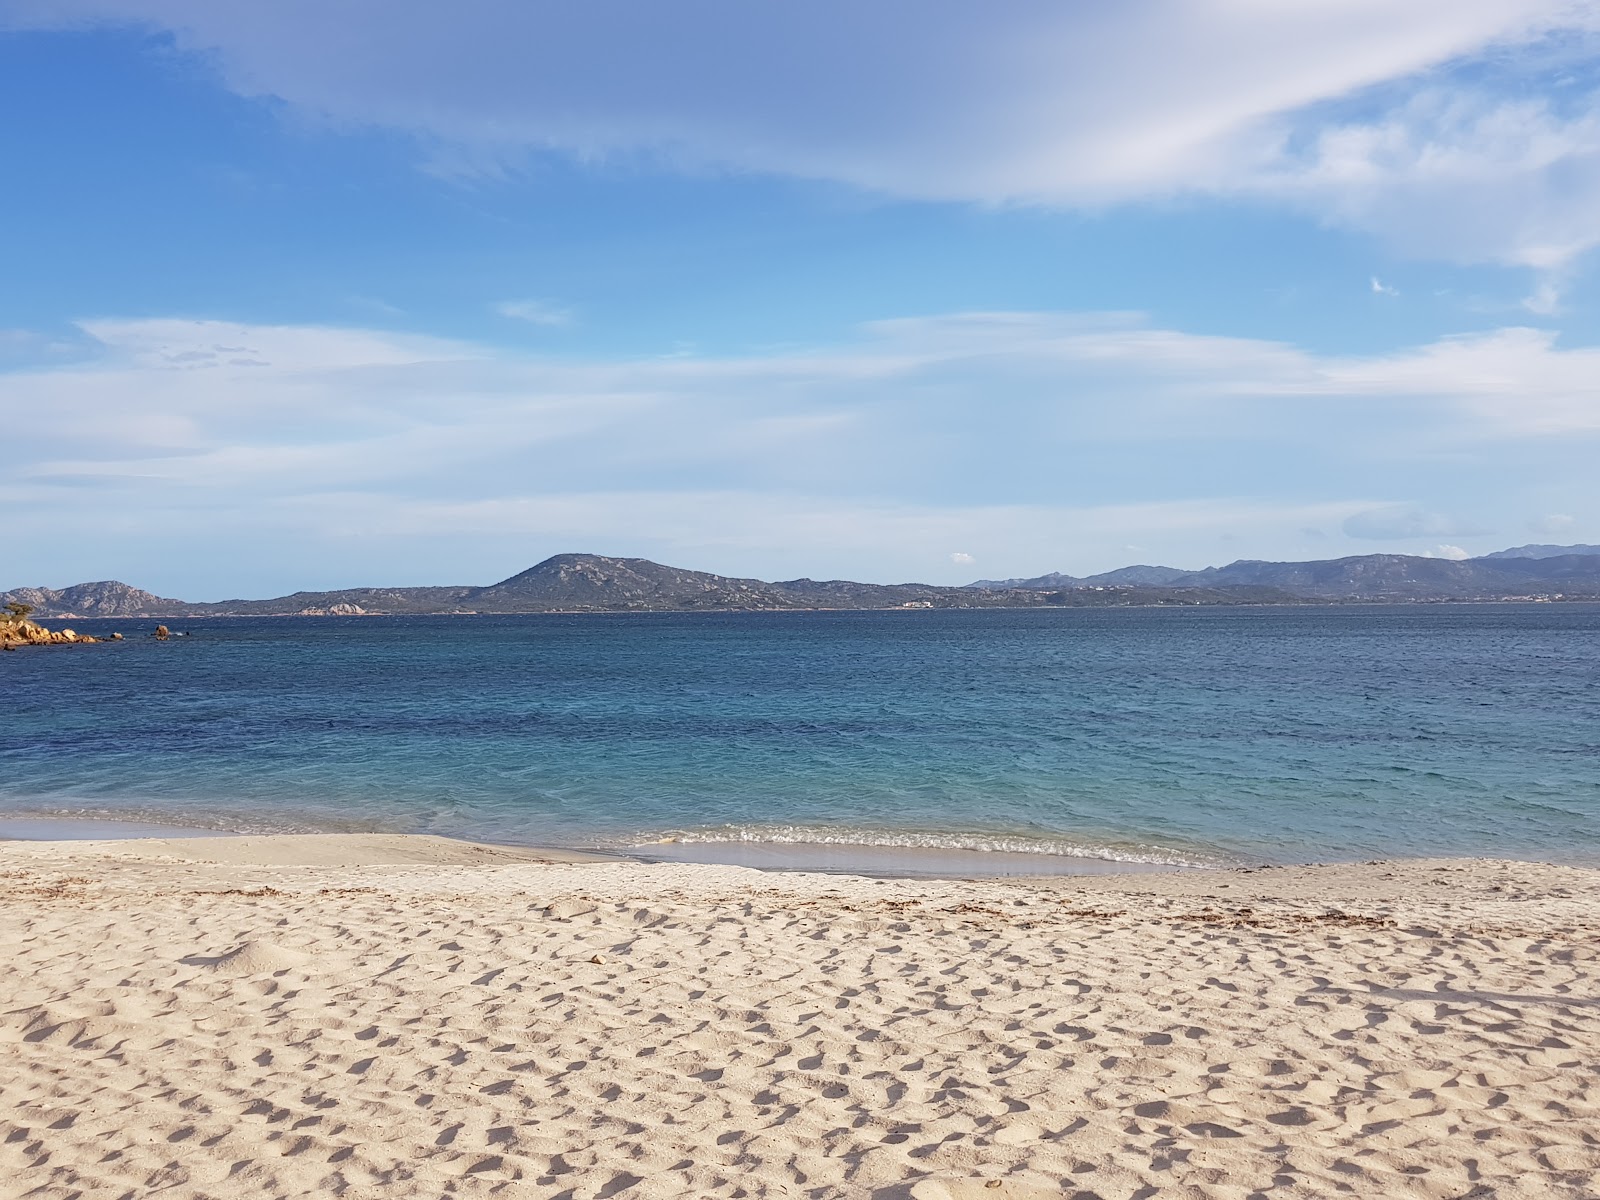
580 582
1380 576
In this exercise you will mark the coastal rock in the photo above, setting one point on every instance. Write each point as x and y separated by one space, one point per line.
19 631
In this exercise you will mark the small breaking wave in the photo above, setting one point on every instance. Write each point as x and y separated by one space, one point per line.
1143 854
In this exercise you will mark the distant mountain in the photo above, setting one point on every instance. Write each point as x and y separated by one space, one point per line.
1395 577
351 602
1407 577
113 599
1576 571
1053 580
1541 552
1140 576
594 583
591 581
105 599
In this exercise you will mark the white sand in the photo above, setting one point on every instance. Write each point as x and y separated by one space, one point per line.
413 1018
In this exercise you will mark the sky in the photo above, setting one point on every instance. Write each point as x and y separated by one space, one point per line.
305 295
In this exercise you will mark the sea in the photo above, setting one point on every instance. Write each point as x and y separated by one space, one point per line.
915 742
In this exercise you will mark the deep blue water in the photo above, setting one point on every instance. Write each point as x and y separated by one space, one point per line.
1197 735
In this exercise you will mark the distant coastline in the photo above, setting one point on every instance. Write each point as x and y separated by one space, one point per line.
591 583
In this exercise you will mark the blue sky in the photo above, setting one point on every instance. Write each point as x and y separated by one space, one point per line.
304 295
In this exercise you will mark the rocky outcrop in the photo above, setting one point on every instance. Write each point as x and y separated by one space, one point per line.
16 632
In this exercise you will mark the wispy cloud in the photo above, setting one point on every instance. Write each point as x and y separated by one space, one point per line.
1553 524
1545 299
537 312
373 306
1034 441
1402 522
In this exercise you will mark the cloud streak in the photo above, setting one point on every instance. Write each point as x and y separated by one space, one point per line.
536 312
1410 121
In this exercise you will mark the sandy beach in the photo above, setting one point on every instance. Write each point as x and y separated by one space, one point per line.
366 1016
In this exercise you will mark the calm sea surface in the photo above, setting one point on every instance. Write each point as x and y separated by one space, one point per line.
1054 740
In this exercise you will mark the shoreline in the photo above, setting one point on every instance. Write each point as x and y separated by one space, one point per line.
868 860
865 860
373 1014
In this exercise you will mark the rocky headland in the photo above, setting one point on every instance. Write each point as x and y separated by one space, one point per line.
16 630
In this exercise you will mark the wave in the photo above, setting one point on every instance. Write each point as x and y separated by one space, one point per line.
937 839
157 818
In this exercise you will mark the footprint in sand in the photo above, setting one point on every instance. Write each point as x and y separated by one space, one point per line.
566 908
982 1189
1017 1135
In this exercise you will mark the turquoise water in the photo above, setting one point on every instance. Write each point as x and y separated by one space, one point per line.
1141 736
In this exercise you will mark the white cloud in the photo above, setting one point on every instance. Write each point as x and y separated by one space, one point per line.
962 560
1456 173
1394 522
27 345
536 312
1513 381
1379 288
1038 441
1553 523
1454 553
1545 300
1351 109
